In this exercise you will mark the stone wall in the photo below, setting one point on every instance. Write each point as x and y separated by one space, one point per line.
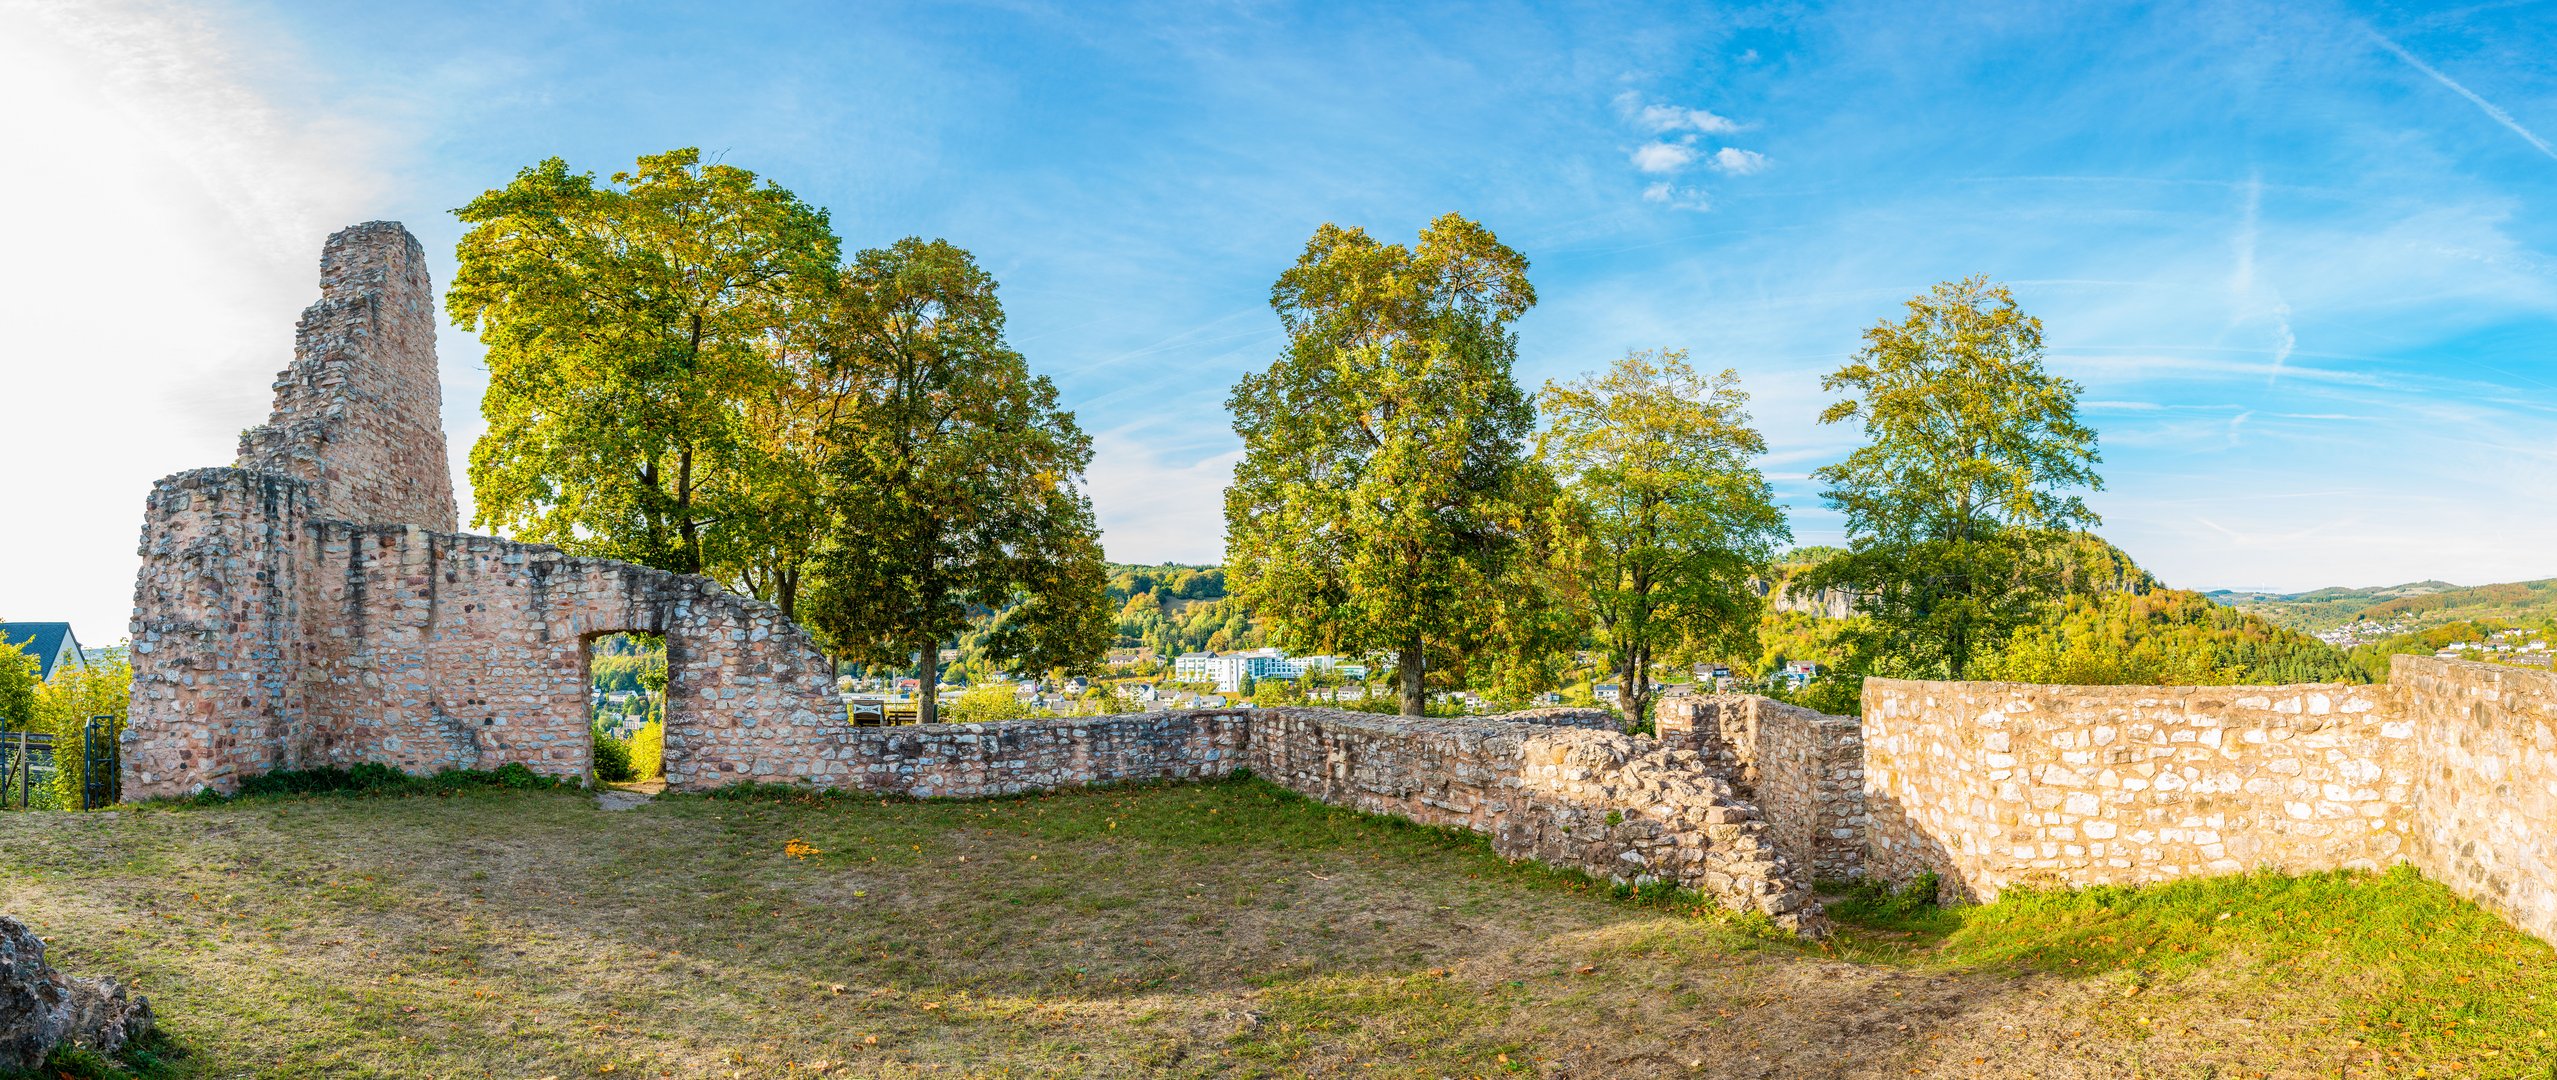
1618 808
1996 784
1803 769
215 632
2485 783
359 413
266 638
1014 756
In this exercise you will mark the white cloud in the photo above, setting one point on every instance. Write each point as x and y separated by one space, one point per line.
1661 157
168 231
1737 162
1669 194
1658 119
1153 510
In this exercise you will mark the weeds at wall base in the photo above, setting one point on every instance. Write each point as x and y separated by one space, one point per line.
152 1058
370 779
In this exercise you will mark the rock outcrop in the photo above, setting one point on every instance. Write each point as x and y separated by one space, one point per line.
41 1008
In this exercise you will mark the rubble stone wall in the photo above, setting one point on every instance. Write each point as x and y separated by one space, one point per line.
268 638
2485 783
1014 756
216 631
1619 808
1998 784
359 413
1803 769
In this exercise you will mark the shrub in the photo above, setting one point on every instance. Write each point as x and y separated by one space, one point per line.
64 706
986 704
371 778
612 756
648 751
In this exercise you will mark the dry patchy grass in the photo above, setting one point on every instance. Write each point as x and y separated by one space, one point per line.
1221 929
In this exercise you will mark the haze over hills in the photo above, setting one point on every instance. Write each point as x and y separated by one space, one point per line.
2414 603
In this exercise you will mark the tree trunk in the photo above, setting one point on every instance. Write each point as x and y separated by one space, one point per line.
928 688
786 593
1412 668
684 523
1633 679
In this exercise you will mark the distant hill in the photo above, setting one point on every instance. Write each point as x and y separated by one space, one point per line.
2412 605
2091 565
2163 637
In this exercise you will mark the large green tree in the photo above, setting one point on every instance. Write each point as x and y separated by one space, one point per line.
1377 509
1957 507
1675 520
953 480
629 326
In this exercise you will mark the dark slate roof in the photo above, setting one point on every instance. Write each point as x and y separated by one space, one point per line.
44 639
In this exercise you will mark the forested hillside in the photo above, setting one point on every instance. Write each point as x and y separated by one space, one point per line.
2411 606
2117 625
2167 637
1173 609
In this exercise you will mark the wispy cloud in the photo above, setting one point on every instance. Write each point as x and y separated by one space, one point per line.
1158 504
1683 198
2489 108
1661 157
1737 162
1660 119
1674 147
2248 297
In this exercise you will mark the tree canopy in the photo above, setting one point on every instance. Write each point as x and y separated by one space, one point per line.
1957 506
953 479
684 374
1674 520
627 325
1377 504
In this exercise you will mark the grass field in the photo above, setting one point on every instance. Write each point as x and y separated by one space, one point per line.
1211 930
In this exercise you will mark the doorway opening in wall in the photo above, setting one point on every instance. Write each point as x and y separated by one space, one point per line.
626 695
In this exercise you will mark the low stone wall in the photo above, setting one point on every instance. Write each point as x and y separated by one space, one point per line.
1008 758
2485 783
1803 769
1619 808
1996 784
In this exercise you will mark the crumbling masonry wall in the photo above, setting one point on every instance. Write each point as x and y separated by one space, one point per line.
267 637
1618 808
359 414
314 607
1803 769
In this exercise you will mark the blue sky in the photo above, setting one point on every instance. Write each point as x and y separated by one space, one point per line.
2302 256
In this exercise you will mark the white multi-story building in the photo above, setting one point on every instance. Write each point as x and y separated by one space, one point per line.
1228 669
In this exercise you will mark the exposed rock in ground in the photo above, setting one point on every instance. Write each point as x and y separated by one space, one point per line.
41 1008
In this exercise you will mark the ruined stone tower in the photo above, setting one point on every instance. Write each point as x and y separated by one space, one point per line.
359 414
312 605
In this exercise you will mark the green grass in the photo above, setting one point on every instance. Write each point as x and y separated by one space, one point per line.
1224 929
2423 975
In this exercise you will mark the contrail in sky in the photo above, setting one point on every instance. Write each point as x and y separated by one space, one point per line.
2499 115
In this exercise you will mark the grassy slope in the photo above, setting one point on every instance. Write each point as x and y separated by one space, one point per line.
1209 930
